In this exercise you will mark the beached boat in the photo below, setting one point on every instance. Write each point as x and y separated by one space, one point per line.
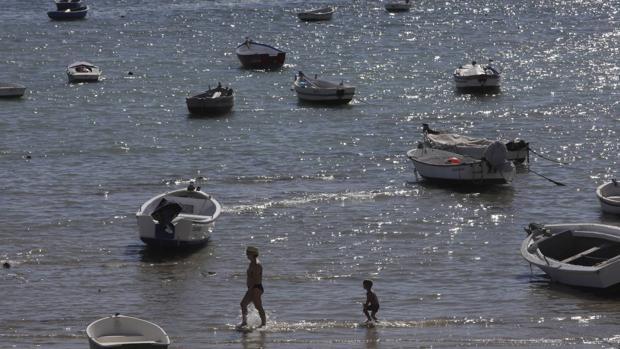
584 254
322 91
254 55
8 90
68 14
609 196
476 77
447 167
126 332
178 218
214 101
83 72
398 6
63 5
518 149
321 14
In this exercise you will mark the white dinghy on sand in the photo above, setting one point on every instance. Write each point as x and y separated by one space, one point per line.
126 332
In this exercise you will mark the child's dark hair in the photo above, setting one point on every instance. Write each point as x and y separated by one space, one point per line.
367 283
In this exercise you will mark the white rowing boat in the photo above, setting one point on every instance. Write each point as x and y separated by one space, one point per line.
609 196
126 332
580 254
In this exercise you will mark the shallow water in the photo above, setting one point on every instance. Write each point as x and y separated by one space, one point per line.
327 194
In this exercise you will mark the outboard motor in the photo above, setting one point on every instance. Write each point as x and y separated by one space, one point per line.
165 212
495 155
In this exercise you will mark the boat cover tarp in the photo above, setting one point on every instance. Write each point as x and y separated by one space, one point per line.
454 140
470 70
77 64
496 154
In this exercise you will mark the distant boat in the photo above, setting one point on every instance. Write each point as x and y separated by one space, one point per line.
471 146
8 90
322 91
398 6
83 72
609 196
451 168
68 14
254 55
62 5
179 218
126 332
215 101
321 14
580 254
476 77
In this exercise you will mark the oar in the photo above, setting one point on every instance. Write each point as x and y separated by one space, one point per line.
549 179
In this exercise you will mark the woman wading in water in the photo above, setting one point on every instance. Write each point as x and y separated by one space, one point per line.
255 288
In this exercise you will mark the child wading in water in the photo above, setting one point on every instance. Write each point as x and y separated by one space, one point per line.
255 288
372 302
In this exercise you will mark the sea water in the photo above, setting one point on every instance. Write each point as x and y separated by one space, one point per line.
327 194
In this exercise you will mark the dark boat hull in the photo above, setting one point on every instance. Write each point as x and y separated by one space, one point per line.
262 61
68 5
208 110
68 16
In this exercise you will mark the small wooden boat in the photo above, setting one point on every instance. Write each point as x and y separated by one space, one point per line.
398 6
322 91
180 218
609 196
471 146
63 5
582 254
321 14
8 90
451 168
214 101
126 332
476 77
83 72
68 14
254 55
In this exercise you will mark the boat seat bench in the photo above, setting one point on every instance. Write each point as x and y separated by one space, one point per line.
584 253
193 216
116 340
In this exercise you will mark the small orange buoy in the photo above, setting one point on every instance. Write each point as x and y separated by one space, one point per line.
453 161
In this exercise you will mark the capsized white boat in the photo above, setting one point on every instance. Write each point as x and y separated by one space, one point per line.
11 90
580 254
609 196
178 218
83 72
477 77
126 332
320 14
452 168
322 91
398 6
471 146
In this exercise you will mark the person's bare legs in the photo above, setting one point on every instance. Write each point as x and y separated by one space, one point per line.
258 304
365 310
247 298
